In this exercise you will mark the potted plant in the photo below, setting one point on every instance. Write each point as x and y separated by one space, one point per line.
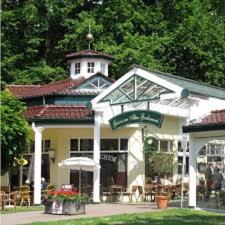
68 203
162 163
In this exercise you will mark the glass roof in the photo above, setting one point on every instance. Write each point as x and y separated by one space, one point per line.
96 83
135 89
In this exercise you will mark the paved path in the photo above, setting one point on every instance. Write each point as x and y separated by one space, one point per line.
92 210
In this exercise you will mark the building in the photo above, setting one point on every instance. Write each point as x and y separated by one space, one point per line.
91 115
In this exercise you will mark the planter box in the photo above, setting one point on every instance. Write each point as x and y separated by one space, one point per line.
48 207
64 207
71 208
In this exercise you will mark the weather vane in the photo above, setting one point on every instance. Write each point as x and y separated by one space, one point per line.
90 38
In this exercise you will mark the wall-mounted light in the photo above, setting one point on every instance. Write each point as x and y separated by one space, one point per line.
51 154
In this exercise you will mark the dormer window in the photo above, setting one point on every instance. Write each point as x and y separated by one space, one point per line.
103 68
90 68
77 68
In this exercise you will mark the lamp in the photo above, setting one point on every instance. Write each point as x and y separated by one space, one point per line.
51 154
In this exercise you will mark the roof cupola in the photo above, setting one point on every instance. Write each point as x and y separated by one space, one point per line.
88 62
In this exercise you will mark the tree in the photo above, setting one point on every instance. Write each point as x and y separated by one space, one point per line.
162 162
14 130
183 37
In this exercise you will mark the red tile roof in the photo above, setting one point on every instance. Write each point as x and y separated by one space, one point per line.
214 121
28 91
88 53
19 89
216 117
58 112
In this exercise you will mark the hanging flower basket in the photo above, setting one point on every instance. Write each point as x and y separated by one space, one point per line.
65 203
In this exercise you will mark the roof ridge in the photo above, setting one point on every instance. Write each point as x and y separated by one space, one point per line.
64 106
175 76
22 85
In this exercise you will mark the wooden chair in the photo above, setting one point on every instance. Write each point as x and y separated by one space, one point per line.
25 194
126 192
116 191
10 198
137 192
149 191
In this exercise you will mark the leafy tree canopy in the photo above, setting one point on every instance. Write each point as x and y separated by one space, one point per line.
183 37
14 130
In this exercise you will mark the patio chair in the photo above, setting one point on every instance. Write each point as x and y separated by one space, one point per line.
10 198
176 191
44 193
116 193
137 192
105 193
149 191
25 194
126 192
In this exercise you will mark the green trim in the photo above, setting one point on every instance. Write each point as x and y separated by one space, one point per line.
203 128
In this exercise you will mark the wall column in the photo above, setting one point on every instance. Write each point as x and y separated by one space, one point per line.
96 173
37 164
195 145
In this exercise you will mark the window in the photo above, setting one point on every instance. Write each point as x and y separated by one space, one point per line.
124 144
106 144
103 68
77 68
90 68
109 144
180 149
165 146
73 145
86 145
180 162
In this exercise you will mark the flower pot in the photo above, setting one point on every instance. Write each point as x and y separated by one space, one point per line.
162 202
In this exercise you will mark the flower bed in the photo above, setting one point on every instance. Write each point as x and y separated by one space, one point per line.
66 203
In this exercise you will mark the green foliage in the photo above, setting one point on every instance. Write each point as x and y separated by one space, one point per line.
162 162
14 130
184 37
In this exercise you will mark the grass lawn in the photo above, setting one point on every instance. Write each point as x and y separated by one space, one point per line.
167 217
22 209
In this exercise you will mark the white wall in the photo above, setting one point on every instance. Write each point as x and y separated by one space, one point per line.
83 67
204 105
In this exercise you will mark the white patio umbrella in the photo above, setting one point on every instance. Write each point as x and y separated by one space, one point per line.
79 163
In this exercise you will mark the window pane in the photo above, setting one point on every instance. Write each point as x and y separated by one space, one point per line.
109 144
123 144
47 144
86 144
73 144
163 146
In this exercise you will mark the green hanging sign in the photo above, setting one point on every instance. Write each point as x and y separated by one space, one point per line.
136 117
150 144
